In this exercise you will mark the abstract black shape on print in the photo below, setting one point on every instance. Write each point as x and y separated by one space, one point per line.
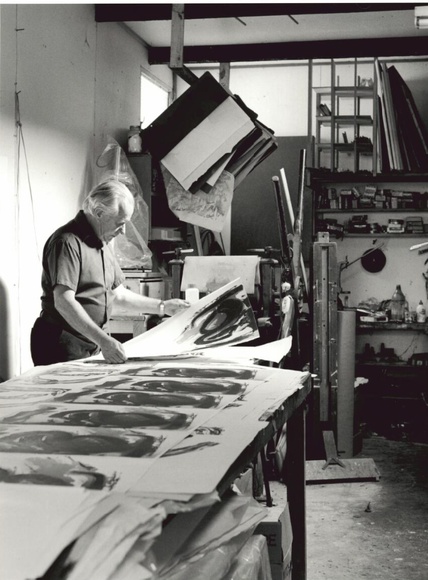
143 398
205 372
177 386
103 418
90 443
43 472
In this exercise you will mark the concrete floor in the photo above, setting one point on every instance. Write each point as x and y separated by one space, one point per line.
374 530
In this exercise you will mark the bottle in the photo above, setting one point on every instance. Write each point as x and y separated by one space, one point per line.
398 305
134 140
191 294
421 313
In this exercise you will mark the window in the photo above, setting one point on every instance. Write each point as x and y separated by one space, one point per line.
154 99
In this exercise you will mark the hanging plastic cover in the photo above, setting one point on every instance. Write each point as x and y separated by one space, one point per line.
130 249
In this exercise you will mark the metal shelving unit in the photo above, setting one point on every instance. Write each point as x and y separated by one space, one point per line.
340 122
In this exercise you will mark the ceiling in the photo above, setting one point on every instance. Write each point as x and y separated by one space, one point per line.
258 32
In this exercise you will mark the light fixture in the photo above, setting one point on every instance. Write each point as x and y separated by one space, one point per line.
421 16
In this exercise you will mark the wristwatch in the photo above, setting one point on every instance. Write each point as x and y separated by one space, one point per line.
161 309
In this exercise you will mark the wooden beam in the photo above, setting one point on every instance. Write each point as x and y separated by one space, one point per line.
351 48
177 36
150 12
177 43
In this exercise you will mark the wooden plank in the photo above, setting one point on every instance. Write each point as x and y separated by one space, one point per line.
355 470
329 445
295 477
177 36
177 42
224 75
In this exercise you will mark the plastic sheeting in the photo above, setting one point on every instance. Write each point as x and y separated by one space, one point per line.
131 248
252 562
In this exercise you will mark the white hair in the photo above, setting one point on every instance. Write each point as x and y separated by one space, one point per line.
108 196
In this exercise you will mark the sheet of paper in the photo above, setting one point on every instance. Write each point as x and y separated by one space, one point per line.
35 526
273 351
222 317
207 210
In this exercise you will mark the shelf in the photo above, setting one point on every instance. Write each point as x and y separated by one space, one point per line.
387 326
383 364
347 147
364 92
321 176
346 120
371 210
382 235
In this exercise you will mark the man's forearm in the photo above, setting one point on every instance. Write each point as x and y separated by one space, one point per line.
78 318
136 303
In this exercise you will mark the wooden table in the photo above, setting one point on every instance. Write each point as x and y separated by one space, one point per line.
292 412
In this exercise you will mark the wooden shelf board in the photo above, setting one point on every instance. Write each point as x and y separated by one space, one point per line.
372 210
320 176
348 91
382 235
413 326
345 120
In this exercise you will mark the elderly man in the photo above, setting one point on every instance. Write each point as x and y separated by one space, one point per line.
81 279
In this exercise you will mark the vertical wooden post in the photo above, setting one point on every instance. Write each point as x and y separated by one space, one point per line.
294 476
177 36
177 44
225 75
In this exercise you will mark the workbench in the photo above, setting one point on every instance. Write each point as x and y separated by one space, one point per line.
67 389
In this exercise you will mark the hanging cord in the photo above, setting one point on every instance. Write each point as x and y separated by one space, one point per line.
21 141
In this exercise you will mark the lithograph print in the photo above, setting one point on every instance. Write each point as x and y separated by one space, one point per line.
54 470
78 441
223 317
79 416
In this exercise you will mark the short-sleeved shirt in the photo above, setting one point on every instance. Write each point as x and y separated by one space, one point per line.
75 257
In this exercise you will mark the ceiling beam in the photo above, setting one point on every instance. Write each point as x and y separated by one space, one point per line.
365 47
147 12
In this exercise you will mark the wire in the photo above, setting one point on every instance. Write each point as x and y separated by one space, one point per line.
412 343
21 140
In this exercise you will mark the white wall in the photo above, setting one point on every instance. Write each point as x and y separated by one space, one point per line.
78 82
278 94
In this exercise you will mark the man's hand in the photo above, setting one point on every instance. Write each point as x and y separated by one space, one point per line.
175 305
112 350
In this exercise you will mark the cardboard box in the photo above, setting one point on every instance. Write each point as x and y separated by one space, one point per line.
282 571
276 527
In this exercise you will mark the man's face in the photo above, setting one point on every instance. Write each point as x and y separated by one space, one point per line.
111 225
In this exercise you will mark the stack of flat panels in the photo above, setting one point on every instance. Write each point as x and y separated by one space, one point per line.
207 131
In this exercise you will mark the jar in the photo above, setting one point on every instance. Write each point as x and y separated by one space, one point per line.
134 140
421 313
191 294
398 305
